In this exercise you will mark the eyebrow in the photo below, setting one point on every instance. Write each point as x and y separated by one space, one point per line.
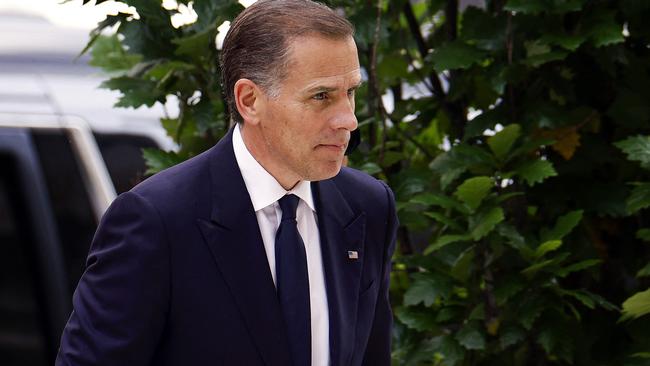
328 89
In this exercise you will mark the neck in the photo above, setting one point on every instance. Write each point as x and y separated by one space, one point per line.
259 150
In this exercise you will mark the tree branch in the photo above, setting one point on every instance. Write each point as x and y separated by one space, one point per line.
414 27
456 112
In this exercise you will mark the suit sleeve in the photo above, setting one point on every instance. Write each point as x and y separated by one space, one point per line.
120 304
378 350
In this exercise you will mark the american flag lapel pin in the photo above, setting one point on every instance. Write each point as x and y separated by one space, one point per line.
353 254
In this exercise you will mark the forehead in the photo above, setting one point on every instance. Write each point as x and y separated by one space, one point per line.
316 59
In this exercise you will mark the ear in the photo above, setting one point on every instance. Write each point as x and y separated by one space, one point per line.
247 94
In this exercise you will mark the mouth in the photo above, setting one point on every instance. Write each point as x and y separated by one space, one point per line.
333 147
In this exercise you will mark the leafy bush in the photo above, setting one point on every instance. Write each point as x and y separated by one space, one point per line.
516 135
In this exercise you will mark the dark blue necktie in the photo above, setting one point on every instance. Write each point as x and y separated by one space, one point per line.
293 282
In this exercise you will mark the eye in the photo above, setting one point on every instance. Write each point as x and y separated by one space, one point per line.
351 92
320 96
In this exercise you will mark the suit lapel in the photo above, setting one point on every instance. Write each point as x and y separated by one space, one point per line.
233 237
342 233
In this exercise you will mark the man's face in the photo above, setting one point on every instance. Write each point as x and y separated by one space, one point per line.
305 130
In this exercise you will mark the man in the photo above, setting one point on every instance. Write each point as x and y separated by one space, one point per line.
262 250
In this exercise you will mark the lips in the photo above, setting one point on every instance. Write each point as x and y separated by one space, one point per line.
334 145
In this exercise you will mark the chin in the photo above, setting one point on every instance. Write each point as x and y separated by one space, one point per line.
327 170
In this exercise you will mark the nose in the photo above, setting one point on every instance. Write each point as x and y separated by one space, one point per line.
344 117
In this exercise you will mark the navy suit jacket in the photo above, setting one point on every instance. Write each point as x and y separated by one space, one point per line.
177 273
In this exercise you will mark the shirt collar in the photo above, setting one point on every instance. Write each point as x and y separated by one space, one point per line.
262 187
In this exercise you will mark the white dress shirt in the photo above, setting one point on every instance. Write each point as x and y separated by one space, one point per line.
265 192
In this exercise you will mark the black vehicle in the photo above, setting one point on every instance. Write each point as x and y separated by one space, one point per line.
57 177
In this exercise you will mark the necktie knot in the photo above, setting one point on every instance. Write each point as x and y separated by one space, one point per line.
288 205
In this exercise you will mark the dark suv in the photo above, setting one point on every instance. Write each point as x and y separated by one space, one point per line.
56 179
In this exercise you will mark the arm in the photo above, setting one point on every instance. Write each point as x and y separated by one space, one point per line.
120 304
378 350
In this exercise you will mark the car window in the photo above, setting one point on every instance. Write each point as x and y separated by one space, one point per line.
122 154
75 220
22 327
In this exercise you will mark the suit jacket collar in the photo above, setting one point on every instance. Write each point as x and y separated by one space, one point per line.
233 237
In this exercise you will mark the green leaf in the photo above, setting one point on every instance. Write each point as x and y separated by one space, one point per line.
639 198
603 29
370 168
530 271
502 142
483 29
146 39
455 55
536 171
516 241
460 158
636 306
508 287
197 44
208 115
164 68
534 48
643 234
416 318
581 296
449 348
530 309
473 191
546 247
540 59
478 313
96 33
444 220
471 337
577 267
427 288
447 314
487 222
602 302
444 241
637 148
511 335
392 157
439 200
135 92
158 160
449 167
556 341
462 267
563 226
215 12
534 268
644 272
570 42
393 66
107 53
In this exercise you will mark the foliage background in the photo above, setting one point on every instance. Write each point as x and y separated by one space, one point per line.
516 136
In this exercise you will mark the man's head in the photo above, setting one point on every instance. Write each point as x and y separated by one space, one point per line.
258 43
290 71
